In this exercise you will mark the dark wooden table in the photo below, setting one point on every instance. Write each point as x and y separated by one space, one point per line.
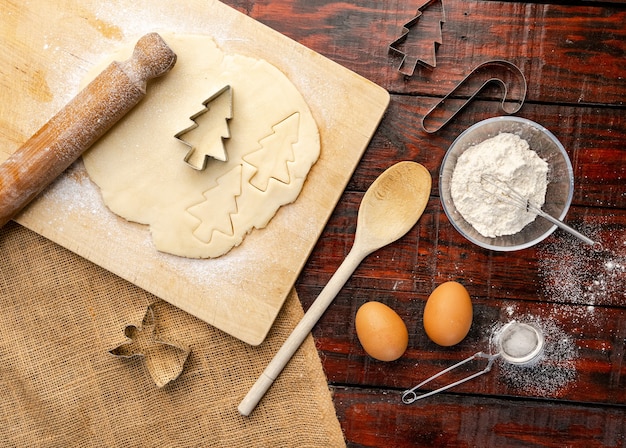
573 55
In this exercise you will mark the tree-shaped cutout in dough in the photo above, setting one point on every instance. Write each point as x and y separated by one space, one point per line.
225 194
270 160
205 137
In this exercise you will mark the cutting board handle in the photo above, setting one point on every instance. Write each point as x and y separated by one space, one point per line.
79 124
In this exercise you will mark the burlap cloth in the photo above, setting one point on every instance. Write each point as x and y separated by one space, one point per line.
61 315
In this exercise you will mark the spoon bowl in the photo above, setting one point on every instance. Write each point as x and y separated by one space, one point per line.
389 209
402 193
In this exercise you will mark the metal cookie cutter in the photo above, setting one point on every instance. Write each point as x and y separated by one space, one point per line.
504 73
407 64
193 136
519 344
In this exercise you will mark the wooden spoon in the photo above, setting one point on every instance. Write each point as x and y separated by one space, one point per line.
390 208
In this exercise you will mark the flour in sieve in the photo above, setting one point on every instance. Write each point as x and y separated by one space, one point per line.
551 373
509 159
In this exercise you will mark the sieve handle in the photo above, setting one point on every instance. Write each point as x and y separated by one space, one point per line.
409 396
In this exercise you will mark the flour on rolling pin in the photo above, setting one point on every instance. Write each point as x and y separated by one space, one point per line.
80 123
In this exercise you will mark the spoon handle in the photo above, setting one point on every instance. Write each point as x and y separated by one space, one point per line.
302 330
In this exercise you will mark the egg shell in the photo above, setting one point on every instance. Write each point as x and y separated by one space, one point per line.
381 332
448 314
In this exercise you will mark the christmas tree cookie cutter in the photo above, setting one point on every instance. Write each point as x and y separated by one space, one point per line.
209 140
408 63
500 72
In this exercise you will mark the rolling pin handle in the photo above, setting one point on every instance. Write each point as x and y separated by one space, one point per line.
151 58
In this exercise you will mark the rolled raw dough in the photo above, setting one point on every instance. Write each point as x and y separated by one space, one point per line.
139 164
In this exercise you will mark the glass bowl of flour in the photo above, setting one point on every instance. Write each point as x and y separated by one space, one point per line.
493 170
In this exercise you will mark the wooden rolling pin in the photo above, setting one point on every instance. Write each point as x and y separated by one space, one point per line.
79 124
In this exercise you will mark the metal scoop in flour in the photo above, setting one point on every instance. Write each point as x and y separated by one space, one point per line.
519 344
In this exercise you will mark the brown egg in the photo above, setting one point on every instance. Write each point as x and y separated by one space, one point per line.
448 314
381 331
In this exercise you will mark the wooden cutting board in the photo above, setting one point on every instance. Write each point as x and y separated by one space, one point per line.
45 50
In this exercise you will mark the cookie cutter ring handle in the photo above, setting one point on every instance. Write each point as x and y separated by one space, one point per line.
509 76
409 396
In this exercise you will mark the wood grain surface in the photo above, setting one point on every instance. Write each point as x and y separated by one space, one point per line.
573 55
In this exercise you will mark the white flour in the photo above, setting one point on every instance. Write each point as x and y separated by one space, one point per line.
572 273
552 372
520 342
506 158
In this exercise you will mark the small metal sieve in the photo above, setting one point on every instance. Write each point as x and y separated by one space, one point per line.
518 344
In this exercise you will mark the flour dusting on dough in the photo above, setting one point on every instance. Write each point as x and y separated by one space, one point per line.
140 169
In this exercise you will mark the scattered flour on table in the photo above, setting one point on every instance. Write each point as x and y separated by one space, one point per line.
578 279
572 272
551 372
506 158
